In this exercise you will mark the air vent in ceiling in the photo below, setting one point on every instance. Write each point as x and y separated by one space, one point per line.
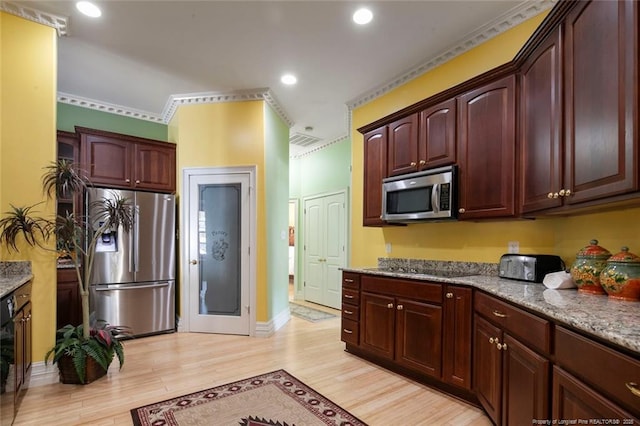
303 140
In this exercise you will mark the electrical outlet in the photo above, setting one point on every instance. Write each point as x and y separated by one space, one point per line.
513 247
387 248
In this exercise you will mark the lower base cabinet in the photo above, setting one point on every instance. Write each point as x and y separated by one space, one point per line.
69 310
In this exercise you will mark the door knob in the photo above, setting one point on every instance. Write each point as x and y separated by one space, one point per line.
194 262
461 210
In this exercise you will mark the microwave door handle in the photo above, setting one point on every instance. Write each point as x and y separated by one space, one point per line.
435 198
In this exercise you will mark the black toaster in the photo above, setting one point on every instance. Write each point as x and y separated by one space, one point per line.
529 267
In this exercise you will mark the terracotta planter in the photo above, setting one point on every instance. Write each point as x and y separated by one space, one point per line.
68 375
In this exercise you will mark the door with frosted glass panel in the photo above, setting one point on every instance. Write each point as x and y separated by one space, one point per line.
219 227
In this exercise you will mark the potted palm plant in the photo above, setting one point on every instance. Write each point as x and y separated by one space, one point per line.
86 349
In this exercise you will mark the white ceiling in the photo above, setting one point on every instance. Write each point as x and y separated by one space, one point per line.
141 53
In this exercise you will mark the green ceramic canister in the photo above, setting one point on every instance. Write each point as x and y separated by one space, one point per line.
589 263
621 277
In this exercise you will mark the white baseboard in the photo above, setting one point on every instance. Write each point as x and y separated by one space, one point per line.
266 329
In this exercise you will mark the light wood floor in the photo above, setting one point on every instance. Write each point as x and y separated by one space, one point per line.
165 366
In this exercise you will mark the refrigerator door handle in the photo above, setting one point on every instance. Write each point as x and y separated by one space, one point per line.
136 238
131 287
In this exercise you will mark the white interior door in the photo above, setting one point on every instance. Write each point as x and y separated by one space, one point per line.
219 263
325 248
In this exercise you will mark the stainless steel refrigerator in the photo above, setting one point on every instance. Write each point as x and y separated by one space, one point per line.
133 275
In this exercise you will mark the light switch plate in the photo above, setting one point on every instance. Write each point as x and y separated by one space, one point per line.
513 247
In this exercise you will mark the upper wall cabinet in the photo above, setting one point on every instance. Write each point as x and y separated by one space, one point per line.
375 169
540 127
601 100
437 137
122 161
486 150
403 145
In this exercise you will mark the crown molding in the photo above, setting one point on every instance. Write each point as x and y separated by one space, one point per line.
506 21
69 99
175 101
319 147
60 23
261 94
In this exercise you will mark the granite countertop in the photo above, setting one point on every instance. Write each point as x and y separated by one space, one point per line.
613 320
13 275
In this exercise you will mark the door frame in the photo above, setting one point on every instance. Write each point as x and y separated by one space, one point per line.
303 235
185 279
298 293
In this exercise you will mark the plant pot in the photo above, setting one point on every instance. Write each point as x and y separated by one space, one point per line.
68 375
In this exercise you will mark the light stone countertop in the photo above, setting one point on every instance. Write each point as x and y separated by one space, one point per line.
615 321
13 275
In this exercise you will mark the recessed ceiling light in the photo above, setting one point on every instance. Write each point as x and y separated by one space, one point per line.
362 16
288 79
89 9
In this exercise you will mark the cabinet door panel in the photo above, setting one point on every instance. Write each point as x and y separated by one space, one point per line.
419 336
526 384
155 167
487 368
403 146
107 161
375 169
601 99
486 131
573 399
437 138
377 324
540 126
457 334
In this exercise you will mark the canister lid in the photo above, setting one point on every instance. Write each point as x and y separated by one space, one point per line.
625 257
593 250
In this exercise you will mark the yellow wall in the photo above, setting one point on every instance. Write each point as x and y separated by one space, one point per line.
474 241
225 135
27 145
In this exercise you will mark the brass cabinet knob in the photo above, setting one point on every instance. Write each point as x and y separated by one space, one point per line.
399 307
137 181
422 162
501 346
461 210
413 164
492 340
561 193
567 193
127 180
634 388
449 295
390 306
550 195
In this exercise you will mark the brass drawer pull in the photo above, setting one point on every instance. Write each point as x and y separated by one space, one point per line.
348 312
499 314
348 296
634 388
347 331
348 280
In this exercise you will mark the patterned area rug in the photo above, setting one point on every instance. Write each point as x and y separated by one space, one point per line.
309 314
271 399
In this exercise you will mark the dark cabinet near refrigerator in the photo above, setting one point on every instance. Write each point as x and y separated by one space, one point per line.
375 169
68 307
128 162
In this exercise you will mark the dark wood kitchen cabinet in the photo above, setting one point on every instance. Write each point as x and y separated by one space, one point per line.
512 372
486 150
350 332
402 151
601 100
456 336
593 381
128 162
401 320
541 159
68 307
375 169
437 135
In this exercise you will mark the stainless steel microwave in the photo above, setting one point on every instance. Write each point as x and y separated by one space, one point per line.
422 196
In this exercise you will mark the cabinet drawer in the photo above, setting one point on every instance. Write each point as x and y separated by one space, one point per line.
350 296
351 280
417 290
527 327
349 332
605 369
350 312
